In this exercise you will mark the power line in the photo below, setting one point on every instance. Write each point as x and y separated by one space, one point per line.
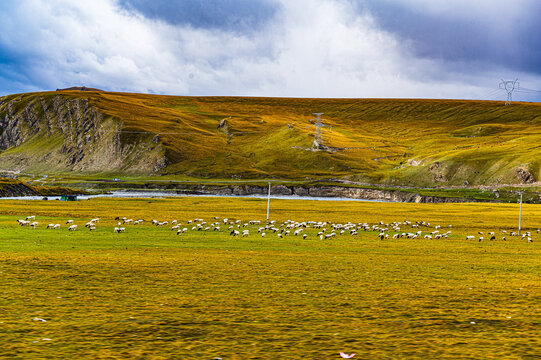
529 91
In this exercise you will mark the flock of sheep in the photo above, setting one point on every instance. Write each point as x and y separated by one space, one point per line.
325 230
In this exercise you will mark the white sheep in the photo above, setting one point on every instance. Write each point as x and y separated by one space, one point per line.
72 228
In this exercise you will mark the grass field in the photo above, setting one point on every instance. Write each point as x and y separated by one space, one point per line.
150 294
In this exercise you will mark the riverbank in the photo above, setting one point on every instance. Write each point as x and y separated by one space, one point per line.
314 189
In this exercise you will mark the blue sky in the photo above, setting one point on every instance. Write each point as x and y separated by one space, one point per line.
298 48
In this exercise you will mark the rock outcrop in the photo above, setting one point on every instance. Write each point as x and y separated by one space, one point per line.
48 134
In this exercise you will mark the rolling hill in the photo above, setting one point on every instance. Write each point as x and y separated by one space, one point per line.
384 141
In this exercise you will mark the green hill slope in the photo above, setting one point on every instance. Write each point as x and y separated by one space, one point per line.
402 142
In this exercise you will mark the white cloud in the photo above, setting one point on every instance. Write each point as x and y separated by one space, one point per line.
311 48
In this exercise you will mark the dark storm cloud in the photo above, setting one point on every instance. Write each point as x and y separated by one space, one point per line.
230 15
307 48
472 35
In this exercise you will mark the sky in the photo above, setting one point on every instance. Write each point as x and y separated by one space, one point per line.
460 49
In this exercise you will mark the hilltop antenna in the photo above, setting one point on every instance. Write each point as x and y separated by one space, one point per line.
318 136
509 86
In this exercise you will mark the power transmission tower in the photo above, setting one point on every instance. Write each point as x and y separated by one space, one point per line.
318 136
509 86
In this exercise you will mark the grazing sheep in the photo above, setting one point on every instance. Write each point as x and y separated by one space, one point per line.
304 236
72 228
119 229
69 222
50 226
57 226
470 237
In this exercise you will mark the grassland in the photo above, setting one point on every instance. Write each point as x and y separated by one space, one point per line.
387 141
150 294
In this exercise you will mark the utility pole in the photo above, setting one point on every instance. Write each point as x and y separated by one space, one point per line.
520 215
268 204
318 138
509 86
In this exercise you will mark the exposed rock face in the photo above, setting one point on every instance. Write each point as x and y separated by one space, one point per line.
50 134
524 175
319 191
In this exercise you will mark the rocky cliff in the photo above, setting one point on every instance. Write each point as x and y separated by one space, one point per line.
57 134
322 191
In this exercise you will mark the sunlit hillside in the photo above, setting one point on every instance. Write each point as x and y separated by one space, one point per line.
407 142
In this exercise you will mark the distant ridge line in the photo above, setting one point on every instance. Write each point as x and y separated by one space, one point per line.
79 88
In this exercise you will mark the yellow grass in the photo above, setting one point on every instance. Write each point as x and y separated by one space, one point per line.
481 142
150 294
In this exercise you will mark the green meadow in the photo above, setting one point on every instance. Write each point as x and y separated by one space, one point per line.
149 293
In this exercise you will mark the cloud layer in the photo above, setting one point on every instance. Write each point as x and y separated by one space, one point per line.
302 48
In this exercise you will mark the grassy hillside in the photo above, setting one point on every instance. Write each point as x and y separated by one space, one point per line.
404 142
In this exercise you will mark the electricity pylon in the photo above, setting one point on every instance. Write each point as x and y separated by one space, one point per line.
509 86
318 136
